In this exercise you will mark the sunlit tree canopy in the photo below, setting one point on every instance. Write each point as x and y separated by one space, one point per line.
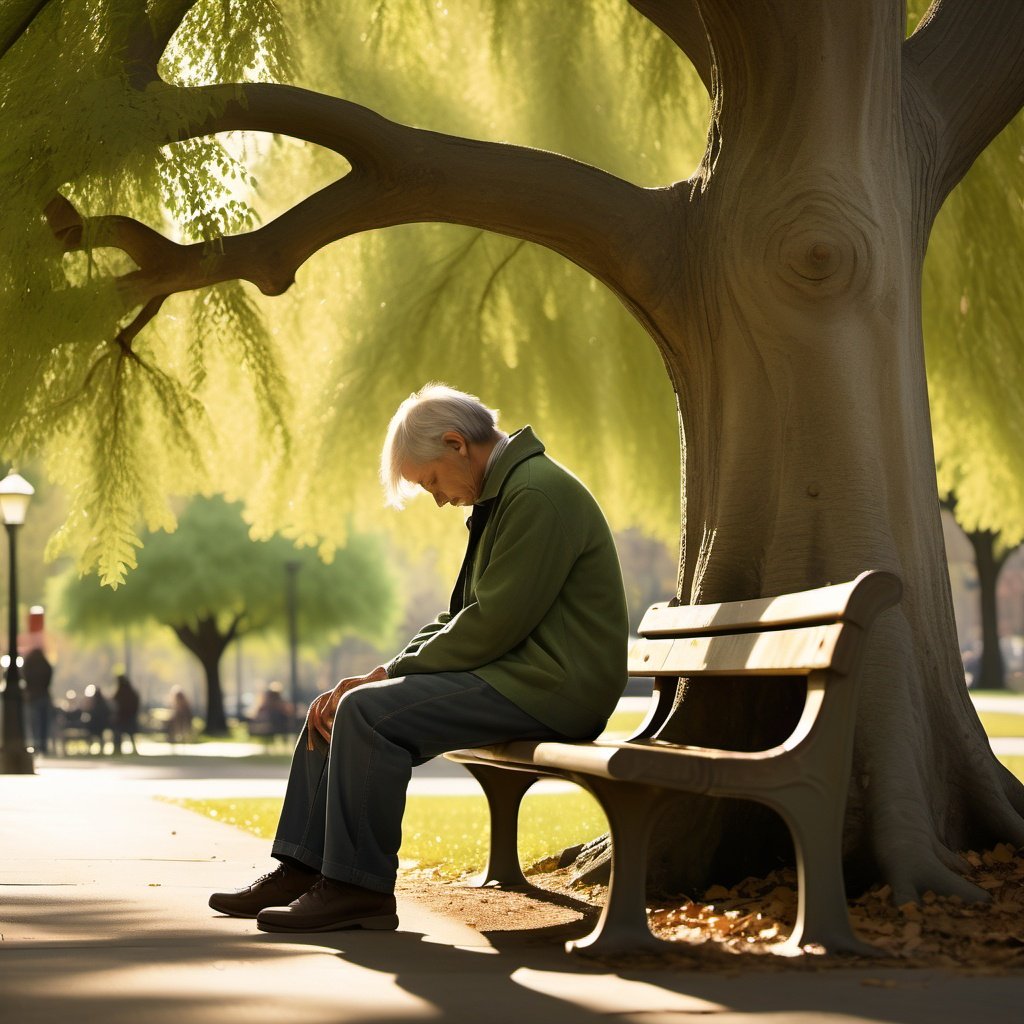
282 401
210 569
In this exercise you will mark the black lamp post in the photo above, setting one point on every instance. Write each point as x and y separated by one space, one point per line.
15 759
292 568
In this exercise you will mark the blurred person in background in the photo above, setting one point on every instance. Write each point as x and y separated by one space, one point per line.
126 714
95 716
179 725
38 674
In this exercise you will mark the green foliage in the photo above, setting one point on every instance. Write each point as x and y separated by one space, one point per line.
973 294
122 431
210 569
282 403
973 299
319 380
512 322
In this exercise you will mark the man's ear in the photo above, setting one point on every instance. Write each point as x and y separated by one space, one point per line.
456 442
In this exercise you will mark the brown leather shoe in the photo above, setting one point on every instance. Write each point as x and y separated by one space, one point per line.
330 906
282 885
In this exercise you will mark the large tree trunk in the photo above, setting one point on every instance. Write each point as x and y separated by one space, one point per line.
792 327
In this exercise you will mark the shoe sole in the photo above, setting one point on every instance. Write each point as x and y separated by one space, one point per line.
222 908
229 912
383 923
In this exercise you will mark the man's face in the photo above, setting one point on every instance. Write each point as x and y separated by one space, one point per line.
453 479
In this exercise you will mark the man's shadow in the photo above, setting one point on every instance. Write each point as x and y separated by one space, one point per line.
494 980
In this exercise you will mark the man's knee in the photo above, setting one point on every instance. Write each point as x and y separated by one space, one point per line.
359 708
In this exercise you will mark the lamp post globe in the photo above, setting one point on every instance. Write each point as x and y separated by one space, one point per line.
15 759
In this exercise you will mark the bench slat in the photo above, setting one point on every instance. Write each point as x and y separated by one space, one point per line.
782 652
695 769
858 601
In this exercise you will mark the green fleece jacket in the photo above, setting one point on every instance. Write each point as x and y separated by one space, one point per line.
543 612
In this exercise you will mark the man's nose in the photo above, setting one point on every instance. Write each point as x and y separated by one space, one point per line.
440 499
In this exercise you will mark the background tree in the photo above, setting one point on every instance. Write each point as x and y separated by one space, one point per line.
990 555
974 293
780 282
211 583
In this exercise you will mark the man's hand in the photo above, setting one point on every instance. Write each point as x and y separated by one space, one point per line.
325 707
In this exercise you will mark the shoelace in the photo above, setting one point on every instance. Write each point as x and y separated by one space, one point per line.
319 889
269 876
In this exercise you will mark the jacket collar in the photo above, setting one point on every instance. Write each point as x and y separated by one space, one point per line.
522 445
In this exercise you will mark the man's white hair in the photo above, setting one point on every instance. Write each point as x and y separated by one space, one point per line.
417 428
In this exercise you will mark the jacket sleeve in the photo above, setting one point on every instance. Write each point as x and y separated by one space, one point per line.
530 560
424 632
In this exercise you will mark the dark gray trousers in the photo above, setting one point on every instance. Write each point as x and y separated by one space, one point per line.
343 807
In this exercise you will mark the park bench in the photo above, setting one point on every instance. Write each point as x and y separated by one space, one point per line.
818 635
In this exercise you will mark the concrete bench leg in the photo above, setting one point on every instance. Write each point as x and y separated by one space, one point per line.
822 916
632 812
504 790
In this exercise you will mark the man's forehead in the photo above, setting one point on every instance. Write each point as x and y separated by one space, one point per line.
415 472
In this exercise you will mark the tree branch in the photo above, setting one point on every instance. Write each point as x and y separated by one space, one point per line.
17 19
235 630
963 74
166 18
681 21
399 175
403 175
147 36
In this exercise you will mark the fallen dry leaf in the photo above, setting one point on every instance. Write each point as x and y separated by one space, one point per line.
937 932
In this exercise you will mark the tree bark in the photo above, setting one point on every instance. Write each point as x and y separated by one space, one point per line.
206 641
795 335
989 565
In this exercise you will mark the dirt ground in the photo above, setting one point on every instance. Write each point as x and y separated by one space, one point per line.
738 927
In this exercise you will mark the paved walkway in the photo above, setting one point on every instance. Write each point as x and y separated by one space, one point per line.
103 918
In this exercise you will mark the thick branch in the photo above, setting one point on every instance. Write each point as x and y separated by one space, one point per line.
166 18
148 248
148 36
681 21
399 175
141 243
17 20
405 175
964 70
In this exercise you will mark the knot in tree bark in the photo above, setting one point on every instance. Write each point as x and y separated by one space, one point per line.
818 245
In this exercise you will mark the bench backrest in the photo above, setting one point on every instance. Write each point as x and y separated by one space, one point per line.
812 632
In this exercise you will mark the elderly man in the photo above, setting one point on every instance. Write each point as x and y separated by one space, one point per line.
532 646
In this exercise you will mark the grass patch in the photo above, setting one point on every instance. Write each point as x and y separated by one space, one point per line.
258 815
447 833
1002 723
623 724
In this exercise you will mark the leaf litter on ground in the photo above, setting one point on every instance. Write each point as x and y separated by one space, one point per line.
756 916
